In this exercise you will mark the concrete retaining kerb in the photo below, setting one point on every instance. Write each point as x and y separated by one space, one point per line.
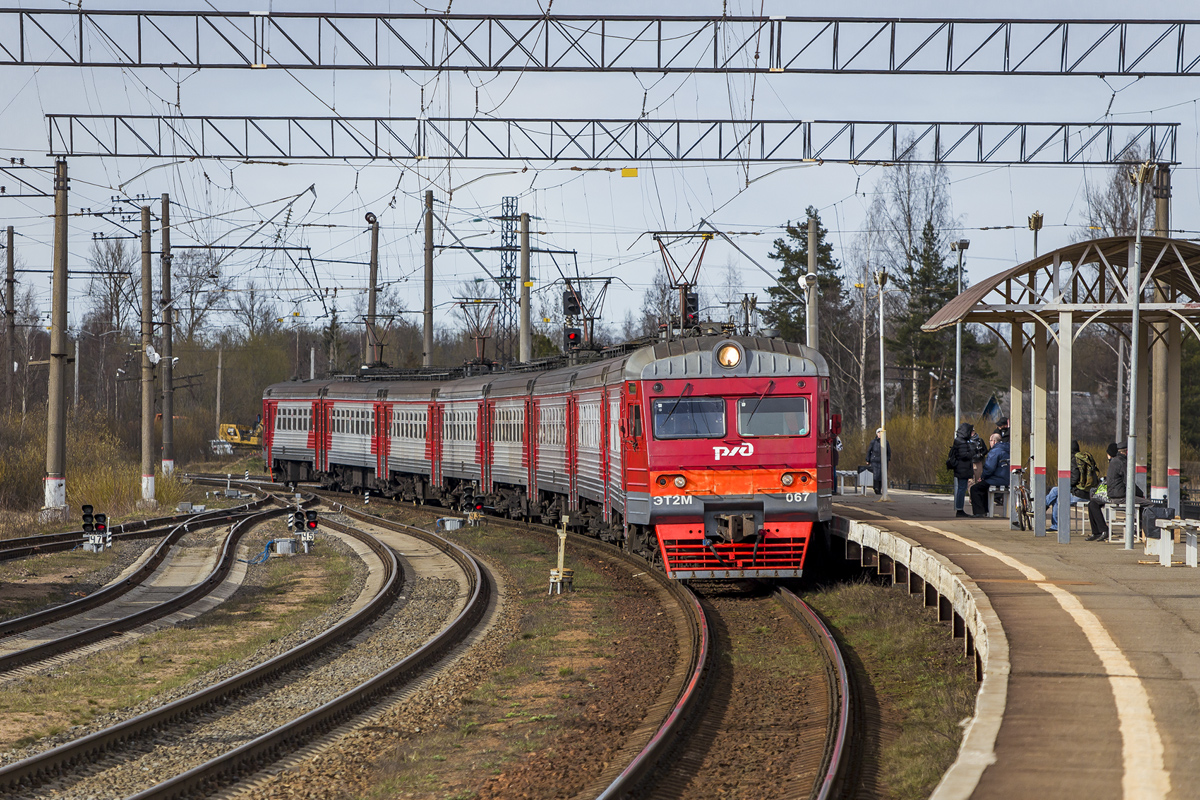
978 748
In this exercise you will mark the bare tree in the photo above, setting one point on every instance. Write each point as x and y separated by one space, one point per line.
198 288
114 291
254 311
1112 203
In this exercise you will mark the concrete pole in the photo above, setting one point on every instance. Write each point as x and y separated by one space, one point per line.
10 315
75 397
168 328
1158 398
1037 480
1066 336
427 358
312 362
220 370
55 489
1016 414
881 279
1134 283
958 351
526 334
372 291
1120 415
147 367
810 281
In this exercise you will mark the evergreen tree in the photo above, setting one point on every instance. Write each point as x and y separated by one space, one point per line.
836 323
929 281
786 313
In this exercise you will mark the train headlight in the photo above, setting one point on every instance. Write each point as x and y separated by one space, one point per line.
729 356
788 479
680 482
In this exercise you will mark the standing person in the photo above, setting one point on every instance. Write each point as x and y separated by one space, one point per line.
1002 428
835 454
960 461
874 459
1114 491
995 473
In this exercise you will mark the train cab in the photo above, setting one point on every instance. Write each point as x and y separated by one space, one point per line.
736 449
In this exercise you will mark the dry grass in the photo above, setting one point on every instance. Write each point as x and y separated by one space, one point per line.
919 448
923 682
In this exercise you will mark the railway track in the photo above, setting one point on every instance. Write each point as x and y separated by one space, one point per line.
680 728
26 546
85 637
142 756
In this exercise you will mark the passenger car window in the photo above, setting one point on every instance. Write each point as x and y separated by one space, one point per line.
773 416
688 417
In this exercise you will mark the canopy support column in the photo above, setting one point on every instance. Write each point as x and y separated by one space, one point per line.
1174 377
1143 419
1066 343
1016 414
1037 482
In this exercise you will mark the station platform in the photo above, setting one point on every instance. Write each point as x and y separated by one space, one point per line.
1102 661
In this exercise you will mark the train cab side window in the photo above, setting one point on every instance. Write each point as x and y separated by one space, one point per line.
773 416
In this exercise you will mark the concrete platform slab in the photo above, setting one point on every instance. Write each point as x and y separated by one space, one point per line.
1103 685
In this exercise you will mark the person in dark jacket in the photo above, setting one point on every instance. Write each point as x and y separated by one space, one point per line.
1003 429
995 473
876 463
960 461
1052 495
1115 480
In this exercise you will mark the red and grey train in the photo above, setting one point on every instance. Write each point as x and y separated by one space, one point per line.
709 455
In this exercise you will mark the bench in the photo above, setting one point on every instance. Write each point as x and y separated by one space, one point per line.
849 475
1188 529
1111 510
997 493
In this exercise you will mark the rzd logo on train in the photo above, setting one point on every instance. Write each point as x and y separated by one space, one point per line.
720 451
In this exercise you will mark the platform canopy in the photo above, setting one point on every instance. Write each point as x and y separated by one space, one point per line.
1089 278
1047 302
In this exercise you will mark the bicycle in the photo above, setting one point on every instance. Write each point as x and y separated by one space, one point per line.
1022 501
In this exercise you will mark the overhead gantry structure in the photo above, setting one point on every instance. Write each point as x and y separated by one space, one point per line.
1051 300
598 43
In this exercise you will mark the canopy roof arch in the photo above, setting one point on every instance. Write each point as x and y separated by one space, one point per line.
1089 278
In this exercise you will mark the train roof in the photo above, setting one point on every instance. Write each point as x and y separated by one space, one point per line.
682 358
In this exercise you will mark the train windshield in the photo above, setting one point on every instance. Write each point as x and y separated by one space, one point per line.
689 418
773 416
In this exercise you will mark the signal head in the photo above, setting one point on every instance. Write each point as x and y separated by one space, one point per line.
310 520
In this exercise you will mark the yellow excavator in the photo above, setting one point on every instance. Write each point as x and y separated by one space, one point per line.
231 435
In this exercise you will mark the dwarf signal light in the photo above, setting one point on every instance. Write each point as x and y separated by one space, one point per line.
88 520
296 522
101 524
310 520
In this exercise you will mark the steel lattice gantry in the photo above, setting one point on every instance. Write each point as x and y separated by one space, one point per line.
474 138
545 43
506 331
1059 294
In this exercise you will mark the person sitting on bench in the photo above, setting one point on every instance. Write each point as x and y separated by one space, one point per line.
1115 491
995 473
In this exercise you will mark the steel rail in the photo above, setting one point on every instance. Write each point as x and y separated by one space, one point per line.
136 578
133 621
37 769
266 748
834 760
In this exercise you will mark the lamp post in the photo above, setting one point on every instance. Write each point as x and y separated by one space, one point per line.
960 246
1137 177
881 280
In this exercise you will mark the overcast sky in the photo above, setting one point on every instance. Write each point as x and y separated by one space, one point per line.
598 213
